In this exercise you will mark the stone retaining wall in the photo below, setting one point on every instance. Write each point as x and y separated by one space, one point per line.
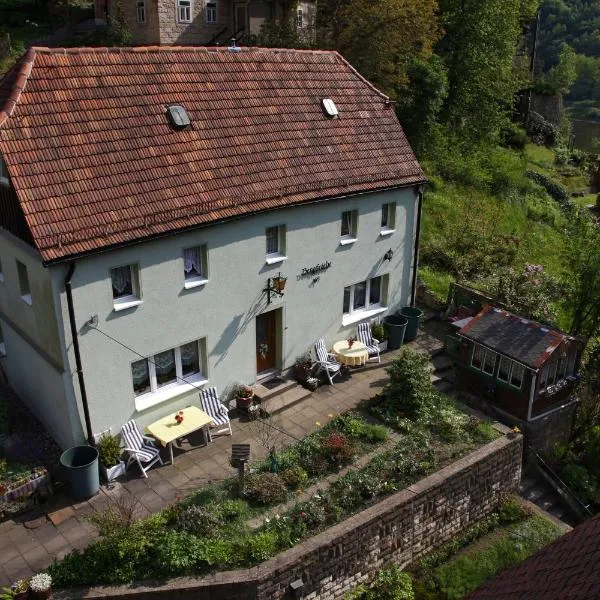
400 528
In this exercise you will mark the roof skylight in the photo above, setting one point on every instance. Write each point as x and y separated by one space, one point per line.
178 116
329 108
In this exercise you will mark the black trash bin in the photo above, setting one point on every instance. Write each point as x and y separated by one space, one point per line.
395 325
413 314
80 468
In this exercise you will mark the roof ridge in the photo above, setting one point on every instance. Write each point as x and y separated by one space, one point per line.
361 77
182 49
23 69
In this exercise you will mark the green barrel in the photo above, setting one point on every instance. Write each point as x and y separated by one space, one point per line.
413 315
80 467
395 325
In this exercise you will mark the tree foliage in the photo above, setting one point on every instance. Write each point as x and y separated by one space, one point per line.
562 76
379 37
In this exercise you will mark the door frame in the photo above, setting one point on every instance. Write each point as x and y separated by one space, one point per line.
278 319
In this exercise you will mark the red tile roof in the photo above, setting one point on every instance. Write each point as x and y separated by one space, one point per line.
568 569
95 163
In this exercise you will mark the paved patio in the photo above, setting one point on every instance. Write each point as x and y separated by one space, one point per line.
32 542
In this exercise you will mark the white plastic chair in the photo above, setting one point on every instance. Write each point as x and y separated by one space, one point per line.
366 337
219 413
326 362
140 448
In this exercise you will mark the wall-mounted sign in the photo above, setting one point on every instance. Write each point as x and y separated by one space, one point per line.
307 271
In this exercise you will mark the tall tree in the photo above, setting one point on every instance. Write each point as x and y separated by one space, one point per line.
379 36
479 47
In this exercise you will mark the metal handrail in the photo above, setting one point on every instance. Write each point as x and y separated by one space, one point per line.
565 487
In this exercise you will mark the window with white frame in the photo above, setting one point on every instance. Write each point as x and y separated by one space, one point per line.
125 286
24 288
551 373
300 18
504 369
195 269
364 296
169 371
489 362
517 373
388 218
477 358
184 11
141 11
275 243
349 226
210 11
2 346
3 173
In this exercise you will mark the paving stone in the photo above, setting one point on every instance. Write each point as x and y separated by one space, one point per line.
61 515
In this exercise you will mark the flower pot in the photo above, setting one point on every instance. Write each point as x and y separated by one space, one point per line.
302 372
41 595
243 403
110 473
383 346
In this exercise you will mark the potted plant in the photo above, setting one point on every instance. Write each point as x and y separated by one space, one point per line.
303 368
244 397
109 455
20 589
40 586
380 334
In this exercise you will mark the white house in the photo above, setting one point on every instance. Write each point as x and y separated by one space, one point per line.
149 196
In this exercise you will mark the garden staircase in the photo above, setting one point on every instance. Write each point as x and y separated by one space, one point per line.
536 490
281 397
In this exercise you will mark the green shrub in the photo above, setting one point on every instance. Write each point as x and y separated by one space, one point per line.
513 136
109 450
582 483
198 520
392 583
294 477
263 545
378 332
265 488
556 190
231 510
542 131
485 432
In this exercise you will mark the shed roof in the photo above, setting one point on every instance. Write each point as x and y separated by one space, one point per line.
95 163
528 342
568 569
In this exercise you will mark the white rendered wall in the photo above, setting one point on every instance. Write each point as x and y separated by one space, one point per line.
224 310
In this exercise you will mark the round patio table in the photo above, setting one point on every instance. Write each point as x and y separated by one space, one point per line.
353 357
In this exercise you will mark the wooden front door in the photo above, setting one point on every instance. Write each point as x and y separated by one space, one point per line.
266 341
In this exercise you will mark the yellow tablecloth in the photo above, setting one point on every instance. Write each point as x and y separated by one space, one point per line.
167 430
354 357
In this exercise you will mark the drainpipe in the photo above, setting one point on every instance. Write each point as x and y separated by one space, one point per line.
75 337
413 293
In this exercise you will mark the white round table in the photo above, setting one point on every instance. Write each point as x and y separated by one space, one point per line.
353 357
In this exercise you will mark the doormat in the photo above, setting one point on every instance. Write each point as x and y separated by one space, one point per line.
273 383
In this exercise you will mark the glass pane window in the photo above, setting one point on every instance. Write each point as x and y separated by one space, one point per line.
360 295
141 11
544 377
562 368
504 368
190 359
385 216
211 12
140 374
272 235
349 223
571 362
166 372
347 294
122 282
194 263
516 375
552 373
477 359
300 18
489 362
184 11
375 291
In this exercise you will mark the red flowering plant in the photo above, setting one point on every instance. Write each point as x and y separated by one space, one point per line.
351 341
244 392
338 449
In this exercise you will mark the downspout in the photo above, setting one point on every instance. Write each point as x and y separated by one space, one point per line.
413 294
75 338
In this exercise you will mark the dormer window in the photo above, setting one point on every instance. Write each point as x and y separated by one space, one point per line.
329 108
3 173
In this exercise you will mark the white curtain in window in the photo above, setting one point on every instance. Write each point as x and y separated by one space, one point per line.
165 361
121 279
192 261
347 223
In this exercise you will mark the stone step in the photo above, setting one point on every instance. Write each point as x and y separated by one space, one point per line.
535 493
284 400
263 393
442 362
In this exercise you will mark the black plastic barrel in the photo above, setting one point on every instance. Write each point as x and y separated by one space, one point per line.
413 315
80 468
395 325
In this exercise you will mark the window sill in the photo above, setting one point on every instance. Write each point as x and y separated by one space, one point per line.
347 240
361 315
167 393
27 299
193 283
275 258
386 232
124 304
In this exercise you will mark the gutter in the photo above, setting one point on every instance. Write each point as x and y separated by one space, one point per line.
75 338
413 293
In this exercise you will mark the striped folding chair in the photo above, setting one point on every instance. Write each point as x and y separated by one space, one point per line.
219 413
141 449
366 337
326 362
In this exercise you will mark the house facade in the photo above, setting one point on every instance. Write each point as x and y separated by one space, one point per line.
524 369
145 216
202 22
